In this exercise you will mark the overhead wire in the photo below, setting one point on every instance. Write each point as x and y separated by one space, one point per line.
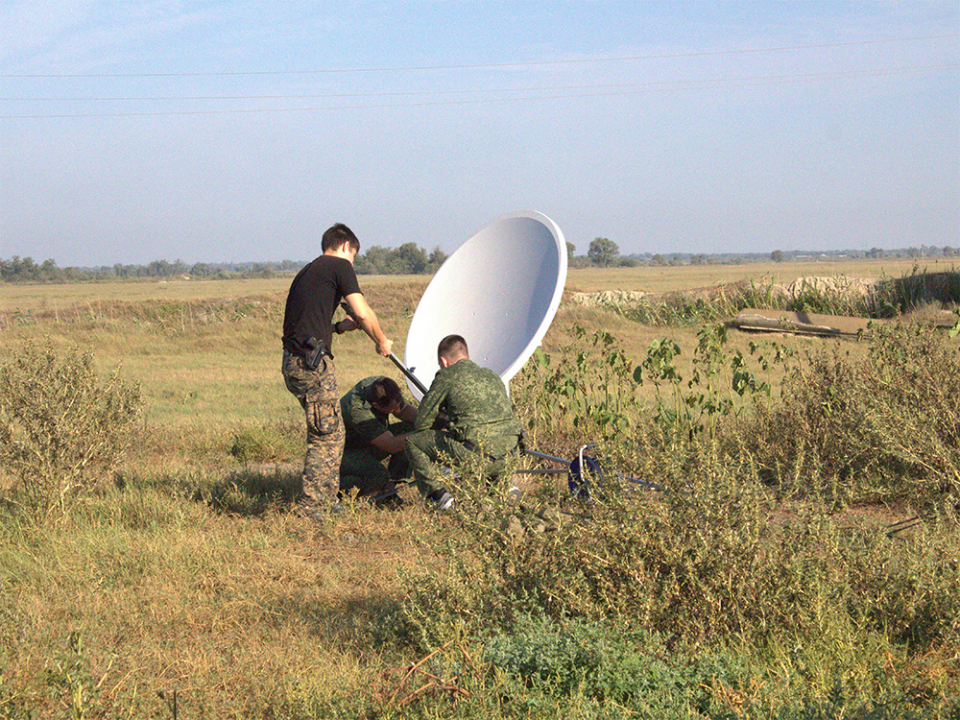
412 93
517 94
602 90
481 66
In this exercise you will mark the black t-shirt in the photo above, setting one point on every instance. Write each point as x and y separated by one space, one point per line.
314 295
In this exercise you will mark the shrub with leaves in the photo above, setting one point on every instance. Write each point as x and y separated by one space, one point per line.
883 427
62 429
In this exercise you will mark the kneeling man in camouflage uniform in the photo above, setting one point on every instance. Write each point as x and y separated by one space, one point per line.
479 418
371 438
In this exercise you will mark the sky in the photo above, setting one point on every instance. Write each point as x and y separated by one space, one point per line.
213 131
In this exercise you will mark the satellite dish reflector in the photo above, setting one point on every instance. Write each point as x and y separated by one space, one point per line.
499 290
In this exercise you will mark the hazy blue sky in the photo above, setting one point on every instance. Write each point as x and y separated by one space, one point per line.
238 131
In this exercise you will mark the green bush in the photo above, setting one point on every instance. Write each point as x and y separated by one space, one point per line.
881 428
62 429
633 670
723 563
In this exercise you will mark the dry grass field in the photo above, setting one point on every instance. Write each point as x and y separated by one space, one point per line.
188 315
54 298
183 586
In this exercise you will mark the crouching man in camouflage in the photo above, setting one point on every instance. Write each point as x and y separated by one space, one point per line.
479 417
371 438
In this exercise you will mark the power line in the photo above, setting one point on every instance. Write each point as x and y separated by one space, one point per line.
414 93
647 88
533 63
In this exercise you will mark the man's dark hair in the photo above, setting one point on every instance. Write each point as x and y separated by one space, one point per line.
336 236
383 391
452 345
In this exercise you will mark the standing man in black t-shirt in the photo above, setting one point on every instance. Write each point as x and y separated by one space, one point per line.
308 363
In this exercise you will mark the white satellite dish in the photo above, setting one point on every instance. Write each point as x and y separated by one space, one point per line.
499 290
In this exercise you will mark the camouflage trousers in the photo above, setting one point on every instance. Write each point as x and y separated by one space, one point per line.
362 468
426 447
316 390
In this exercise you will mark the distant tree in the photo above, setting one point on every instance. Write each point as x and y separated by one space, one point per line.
264 270
411 259
571 250
876 253
201 270
628 262
777 256
373 262
949 251
19 269
436 259
657 259
603 252
914 252
698 260
361 265
158 268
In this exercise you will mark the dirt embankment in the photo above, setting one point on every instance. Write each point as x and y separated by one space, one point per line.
842 286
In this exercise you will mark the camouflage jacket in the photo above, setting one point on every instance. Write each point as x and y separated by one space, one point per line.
362 422
474 399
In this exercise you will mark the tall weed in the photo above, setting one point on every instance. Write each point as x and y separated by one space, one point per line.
61 428
885 427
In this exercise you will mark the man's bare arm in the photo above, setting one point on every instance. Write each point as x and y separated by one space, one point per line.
407 412
388 442
363 315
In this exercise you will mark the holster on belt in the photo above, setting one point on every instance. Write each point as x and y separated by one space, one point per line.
316 351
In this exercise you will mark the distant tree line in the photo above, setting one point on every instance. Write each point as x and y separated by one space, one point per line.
410 259
18 269
603 252
924 251
26 270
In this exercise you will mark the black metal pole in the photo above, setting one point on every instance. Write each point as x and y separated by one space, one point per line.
413 378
